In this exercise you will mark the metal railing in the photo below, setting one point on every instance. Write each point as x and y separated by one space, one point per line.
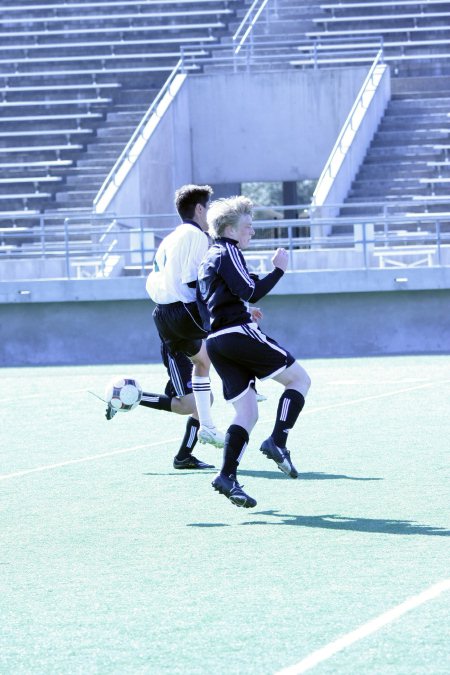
78 247
140 136
247 24
347 134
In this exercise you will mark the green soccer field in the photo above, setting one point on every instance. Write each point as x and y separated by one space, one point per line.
113 562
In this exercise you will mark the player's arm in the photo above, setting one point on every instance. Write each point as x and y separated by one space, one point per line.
265 285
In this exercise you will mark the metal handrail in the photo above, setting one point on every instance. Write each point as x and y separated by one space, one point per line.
125 159
103 244
326 174
246 20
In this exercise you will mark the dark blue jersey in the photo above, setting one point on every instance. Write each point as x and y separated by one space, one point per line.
225 285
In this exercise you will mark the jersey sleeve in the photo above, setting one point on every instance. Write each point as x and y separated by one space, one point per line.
264 285
234 272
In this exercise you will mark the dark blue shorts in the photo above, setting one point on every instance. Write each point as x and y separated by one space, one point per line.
241 357
180 327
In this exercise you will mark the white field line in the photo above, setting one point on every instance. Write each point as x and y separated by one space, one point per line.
311 411
366 629
371 398
89 458
25 397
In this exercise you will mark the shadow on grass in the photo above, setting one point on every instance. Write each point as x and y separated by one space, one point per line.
334 522
272 475
183 472
302 476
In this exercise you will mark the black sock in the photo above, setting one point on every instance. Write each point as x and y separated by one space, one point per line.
158 401
289 408
236 440
189 439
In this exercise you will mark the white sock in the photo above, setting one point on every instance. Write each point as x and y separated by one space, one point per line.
201 386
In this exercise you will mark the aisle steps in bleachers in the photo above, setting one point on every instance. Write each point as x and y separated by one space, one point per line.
402 161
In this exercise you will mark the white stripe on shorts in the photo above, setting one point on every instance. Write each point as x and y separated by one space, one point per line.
175 377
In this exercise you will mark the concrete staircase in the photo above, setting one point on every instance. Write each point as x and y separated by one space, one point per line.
407 163
84 179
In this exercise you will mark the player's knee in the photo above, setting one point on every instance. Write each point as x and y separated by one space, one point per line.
305 382
253 418
185 405
301 380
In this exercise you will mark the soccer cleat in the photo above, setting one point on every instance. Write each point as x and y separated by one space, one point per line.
110 412
280 456
211 435
191 462
231 489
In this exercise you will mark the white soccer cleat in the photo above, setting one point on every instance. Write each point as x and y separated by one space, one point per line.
211 435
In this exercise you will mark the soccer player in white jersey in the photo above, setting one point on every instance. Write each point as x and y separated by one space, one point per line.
172 287
239 350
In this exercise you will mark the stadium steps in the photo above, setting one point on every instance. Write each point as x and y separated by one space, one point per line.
407 151
75 83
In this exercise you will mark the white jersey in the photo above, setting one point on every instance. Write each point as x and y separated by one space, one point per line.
176 265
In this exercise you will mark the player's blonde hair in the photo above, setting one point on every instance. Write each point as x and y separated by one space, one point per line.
224 212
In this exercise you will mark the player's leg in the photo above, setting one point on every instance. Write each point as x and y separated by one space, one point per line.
238 389
296 383
178 396
201 386
236 441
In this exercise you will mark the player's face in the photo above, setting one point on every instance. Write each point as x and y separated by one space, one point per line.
244 231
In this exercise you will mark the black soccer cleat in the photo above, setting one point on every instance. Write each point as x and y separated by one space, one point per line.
191 462
110 412
281 457
231 489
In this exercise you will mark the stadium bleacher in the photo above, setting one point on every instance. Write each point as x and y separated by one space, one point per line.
67 70
77 77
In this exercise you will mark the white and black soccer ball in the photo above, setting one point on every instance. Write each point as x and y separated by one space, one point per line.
123 394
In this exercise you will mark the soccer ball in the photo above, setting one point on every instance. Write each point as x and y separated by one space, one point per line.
124 394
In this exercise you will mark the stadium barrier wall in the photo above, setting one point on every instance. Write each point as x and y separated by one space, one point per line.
315 315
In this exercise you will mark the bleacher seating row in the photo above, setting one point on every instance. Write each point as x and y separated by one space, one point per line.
75 80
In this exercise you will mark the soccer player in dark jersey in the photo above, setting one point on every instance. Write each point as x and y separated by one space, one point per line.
239 351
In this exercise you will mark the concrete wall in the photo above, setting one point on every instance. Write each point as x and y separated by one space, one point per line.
87 330
232 128
268 126
355 324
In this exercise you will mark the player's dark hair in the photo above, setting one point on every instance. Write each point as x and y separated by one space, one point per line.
188 196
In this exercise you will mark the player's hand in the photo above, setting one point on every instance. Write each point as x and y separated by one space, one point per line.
256 314
281 259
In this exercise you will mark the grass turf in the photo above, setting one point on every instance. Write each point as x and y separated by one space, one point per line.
113 562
